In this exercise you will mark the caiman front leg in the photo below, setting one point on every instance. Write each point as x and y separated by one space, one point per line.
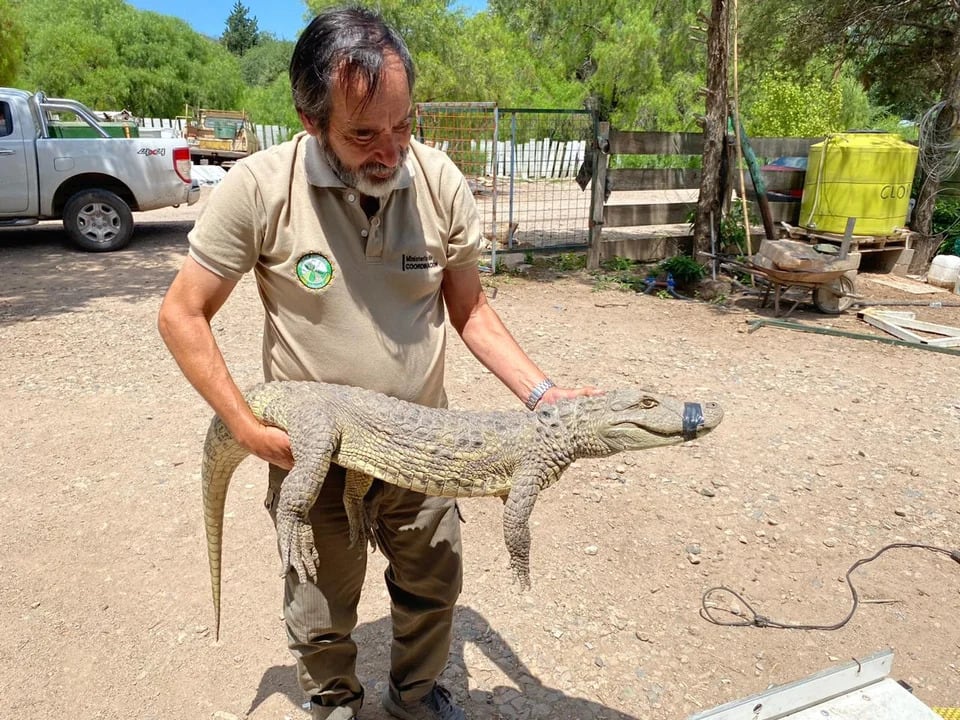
524 489
312 453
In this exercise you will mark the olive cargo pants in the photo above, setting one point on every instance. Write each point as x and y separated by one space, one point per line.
420 537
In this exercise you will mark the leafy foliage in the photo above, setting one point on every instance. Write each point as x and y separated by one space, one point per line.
111 56
632 60
732 233
946 223
790 108
266 61
904 54
11 41
685 270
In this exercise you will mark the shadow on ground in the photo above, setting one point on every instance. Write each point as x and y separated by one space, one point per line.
44 274
527 698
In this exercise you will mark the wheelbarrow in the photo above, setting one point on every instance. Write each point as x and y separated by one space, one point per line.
833 291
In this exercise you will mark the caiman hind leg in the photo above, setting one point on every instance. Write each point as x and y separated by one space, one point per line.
313 444
360 521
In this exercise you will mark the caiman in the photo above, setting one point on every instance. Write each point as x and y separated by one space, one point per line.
510 454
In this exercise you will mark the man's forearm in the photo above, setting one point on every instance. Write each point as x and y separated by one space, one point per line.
494 346
192 345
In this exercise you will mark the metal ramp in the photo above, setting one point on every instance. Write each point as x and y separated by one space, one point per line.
858 690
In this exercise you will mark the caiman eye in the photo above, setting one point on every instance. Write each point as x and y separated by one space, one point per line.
648 403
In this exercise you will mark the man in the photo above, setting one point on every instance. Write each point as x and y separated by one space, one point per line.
358 238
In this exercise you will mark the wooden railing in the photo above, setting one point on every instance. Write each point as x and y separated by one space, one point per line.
655 221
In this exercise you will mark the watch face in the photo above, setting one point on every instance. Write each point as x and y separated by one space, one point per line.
314 271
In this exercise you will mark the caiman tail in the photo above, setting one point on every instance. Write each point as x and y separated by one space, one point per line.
222 454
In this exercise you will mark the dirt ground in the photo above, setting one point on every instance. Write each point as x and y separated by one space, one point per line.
831 448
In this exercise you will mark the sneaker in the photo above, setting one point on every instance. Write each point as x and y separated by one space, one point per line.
435 705
319 712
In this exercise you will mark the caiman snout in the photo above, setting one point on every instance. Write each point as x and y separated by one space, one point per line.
698 419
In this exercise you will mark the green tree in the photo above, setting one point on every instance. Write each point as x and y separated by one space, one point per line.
266 61
109 55
432 31
242 32
905 54
272 104
12 38
633 60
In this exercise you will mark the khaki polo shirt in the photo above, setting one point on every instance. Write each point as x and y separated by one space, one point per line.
348 299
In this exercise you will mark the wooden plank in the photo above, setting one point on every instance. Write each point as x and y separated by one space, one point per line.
944 342
934 328
909 320
655 143
599 186
637 215
653 179
649 247
782 147
566 160
913 287
891 327
624 142
578 154
597 193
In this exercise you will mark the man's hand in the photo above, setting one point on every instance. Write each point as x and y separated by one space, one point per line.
555 394
268 443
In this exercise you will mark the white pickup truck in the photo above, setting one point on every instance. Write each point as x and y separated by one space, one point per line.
50 171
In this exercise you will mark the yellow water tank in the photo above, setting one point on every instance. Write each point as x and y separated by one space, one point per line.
864 175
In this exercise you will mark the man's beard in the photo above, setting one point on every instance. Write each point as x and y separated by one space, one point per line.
371 179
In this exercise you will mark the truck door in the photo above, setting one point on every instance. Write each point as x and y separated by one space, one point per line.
14 181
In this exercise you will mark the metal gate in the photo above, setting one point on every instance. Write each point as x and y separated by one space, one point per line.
522 165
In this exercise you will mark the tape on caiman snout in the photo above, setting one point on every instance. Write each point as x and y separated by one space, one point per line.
692 419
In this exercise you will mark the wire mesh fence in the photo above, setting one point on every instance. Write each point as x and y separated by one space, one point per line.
522 165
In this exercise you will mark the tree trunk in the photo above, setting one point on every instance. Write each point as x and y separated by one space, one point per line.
715 127
925 246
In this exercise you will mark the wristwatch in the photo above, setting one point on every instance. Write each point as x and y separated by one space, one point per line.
539 390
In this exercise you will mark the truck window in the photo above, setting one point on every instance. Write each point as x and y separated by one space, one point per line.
6 119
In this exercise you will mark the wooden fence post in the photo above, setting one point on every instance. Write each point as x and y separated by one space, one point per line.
601 158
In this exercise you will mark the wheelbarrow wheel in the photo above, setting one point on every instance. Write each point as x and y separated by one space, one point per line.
835 297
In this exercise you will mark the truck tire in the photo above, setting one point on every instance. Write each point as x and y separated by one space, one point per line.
98 220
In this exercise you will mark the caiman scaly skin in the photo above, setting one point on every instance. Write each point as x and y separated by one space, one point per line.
512 455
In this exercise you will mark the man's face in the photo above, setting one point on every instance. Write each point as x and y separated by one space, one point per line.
366 145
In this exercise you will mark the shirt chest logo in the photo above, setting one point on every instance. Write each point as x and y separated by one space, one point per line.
314 271
417 262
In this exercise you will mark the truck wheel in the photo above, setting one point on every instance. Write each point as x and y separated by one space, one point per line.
98 220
